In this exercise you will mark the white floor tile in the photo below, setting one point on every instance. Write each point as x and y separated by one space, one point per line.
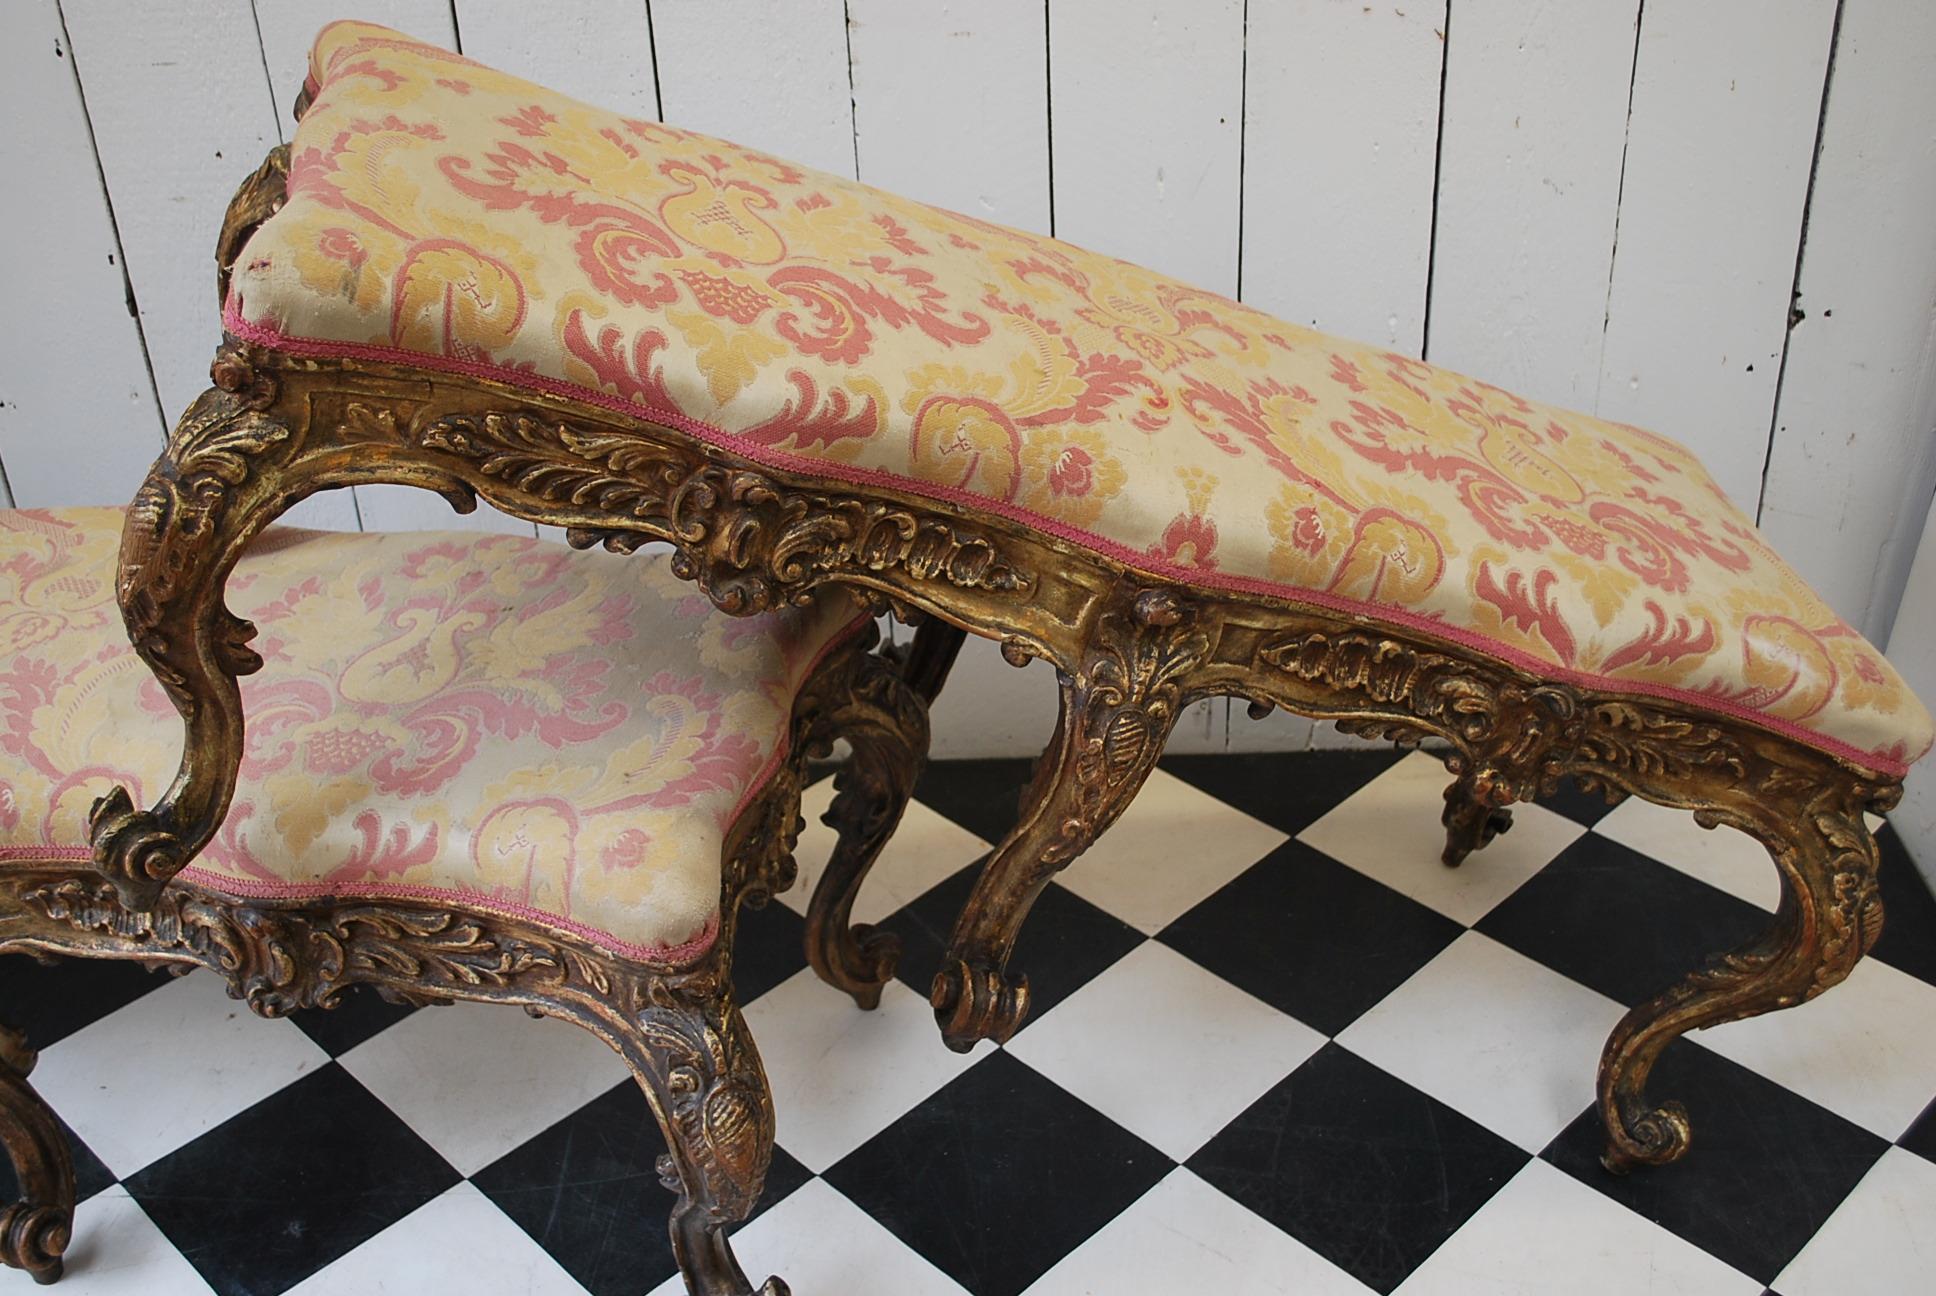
476 1080
1185 1236
1878 1241
1173 847
172 1065
1390 830
1726 858
841 1076
1492 1034
1863 1049
818 1241
1545 1232
458 1242
1220 1048
118 1251
925 848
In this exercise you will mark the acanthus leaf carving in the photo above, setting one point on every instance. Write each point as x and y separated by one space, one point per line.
749 541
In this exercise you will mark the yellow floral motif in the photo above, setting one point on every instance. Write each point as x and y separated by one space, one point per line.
476 219
730 358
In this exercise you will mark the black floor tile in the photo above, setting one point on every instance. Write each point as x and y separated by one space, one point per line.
360 1014
1577 804
1615 920
1311 936
1765 1168
587 1190
767 949
998 1175
265 1199
50 1001
1287 790
1908 912
1064 945
983 796
1367 1171
1920 1137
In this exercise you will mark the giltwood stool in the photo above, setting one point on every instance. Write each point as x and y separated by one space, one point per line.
482 768
456 279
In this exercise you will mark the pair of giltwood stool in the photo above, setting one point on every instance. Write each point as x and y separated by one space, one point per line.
455 279
481 768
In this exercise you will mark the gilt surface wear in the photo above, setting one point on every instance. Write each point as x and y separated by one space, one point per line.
555 735
446 214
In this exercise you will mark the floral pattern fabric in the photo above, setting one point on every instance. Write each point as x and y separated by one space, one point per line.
499 719
454 216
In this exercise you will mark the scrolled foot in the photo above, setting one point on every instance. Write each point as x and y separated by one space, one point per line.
34 1238
1471 820
133 848
868 960
34 1230
774 1287
974 1003
1657 1136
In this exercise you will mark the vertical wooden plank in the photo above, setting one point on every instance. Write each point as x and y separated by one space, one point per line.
78 419
1535 123
769 74
1726 98
596 50
1146 100
1343 105
951 104
289 28
1854 457
181 112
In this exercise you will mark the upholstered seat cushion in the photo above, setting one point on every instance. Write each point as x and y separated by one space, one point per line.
455 217
493 719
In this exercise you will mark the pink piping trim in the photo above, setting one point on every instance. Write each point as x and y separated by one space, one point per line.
275 339
665 955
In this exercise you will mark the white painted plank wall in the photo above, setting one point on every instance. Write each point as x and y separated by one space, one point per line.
1534 130
181 111
1913 652
771 74
1341 128
71 363
951 101
596 50
1598 202
1146 110
1854 452
1726 97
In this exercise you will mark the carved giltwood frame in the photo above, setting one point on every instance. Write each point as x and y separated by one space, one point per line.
1130 651
677 1027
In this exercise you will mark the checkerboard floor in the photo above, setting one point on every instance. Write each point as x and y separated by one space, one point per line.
1276 1048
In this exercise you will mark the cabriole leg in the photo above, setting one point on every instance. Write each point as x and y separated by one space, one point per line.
885 724
696 1063
1116 713
34 1229
1830 915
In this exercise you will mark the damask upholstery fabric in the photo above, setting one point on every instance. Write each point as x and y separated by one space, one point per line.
491 718
449 215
